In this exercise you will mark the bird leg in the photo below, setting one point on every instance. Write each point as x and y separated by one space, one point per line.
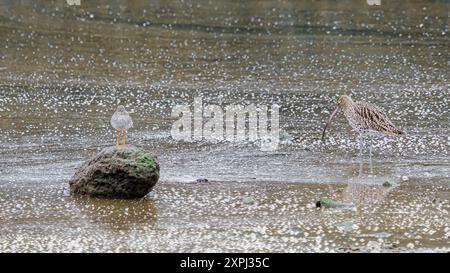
117 137
370 155
360 154
123 136
361 142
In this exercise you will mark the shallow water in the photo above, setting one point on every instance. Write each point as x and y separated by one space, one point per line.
64 69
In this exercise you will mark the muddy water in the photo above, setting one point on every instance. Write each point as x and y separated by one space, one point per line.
63 69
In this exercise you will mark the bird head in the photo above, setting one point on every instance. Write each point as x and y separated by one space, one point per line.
343 102
120 108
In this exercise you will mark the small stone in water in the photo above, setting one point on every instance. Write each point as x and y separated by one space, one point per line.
347 226
381 234
405 178
248 200
202 180
296 229
330 203
374 245
387 184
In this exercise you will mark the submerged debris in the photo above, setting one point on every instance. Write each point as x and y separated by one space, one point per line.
248 200
330 203
390 184
201 180
441 197
347 226
296 230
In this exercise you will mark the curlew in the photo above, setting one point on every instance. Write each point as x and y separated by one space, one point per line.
121 121
365 119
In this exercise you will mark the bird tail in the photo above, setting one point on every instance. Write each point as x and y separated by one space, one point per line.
396 131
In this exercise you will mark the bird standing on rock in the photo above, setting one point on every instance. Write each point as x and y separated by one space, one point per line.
365 119
121 121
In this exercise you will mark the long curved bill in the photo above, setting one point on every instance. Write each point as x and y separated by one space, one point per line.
330 119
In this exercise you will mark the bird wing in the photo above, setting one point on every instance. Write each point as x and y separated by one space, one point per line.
127 120
373 118
114 121
121 121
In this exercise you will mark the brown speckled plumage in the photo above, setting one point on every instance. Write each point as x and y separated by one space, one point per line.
364 118
368 118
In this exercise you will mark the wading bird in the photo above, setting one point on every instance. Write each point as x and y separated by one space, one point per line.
121 121
365 119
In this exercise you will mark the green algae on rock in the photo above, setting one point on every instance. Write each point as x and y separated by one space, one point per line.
330 203
144 162
117 172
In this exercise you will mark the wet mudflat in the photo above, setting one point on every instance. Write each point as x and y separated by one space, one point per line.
64 70
235 217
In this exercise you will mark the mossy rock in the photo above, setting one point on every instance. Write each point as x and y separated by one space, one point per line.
390 184
330 203
144 162
117 172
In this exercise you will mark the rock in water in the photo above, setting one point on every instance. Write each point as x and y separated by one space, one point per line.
117 172
201 180
330 203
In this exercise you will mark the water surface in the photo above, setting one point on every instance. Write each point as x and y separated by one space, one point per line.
63 70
